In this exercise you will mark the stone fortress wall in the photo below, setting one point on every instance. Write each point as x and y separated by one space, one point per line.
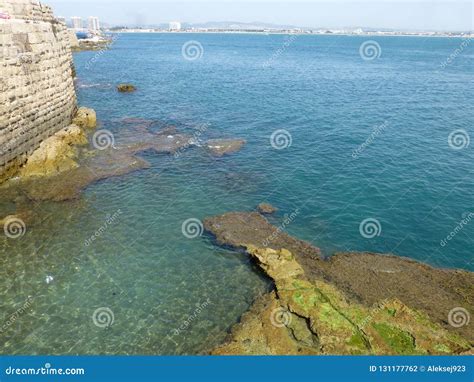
37 95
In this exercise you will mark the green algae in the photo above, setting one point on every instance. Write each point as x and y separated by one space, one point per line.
359 342
331 317
326 321
400 342
442 348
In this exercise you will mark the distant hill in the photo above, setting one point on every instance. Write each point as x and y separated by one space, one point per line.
229 25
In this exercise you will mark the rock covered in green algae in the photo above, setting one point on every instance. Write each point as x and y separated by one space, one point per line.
314 317
385 298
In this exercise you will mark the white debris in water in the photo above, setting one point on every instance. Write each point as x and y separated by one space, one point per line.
170 137
49 279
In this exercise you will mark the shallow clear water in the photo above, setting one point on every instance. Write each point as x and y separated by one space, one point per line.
328 98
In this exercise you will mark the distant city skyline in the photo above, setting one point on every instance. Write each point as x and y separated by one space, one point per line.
92 23
401 14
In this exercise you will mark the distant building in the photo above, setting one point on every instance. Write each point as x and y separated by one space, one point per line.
175 26
93 23
76 22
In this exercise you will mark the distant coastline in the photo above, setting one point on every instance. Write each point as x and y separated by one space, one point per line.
296 32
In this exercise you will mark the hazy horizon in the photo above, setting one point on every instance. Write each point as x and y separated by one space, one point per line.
401 14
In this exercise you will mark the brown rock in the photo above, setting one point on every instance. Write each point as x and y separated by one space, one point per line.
126 88
86 45
312 316
241 229
85 118
266 209
55 154
93 166
363 277
256 335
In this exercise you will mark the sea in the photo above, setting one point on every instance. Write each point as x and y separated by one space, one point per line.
363 143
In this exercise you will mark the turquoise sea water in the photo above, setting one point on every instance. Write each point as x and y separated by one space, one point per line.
173 295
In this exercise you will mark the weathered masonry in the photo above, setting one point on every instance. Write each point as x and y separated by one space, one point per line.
37 96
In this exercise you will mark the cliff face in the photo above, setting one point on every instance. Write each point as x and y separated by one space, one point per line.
37 96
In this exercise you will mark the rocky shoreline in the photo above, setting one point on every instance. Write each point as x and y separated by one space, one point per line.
89 44
80 155
350 303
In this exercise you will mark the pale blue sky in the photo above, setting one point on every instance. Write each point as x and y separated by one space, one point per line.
398 14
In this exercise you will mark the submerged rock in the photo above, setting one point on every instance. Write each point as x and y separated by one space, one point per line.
266 209
65 183
18 215
137 121
221 147
240 229
140 124
347 304
126 88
